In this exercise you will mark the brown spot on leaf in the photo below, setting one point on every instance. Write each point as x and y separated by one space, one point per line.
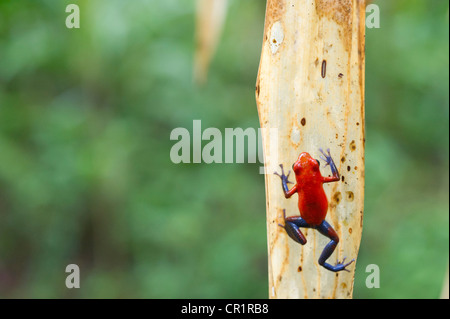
336 199
303 121
353 145
350 196
324 68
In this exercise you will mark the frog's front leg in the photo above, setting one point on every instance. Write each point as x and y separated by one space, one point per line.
284 181
329 161
327 230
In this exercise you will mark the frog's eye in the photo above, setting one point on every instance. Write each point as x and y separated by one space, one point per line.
318 162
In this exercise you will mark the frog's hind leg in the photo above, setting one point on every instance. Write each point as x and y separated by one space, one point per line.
325 229
292 226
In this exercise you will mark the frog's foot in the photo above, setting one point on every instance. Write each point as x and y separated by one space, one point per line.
284 216
329 161
284 178
326 157
342 265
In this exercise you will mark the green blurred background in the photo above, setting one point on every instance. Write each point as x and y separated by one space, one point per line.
85 173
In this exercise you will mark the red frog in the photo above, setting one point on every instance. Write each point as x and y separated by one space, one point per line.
312 204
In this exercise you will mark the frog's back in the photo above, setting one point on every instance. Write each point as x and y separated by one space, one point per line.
312 203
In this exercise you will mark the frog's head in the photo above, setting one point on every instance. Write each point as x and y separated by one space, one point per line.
305 163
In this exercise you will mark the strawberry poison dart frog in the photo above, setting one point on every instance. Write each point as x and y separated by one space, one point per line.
312 204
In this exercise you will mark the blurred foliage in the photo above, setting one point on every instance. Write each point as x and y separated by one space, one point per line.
85 173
